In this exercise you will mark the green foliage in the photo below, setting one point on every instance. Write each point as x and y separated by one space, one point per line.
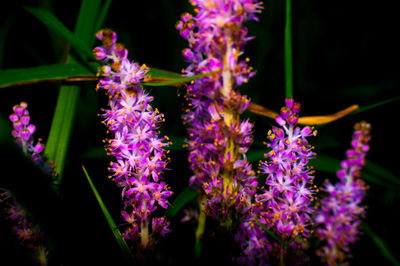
181 200
117 234
329 74
383 248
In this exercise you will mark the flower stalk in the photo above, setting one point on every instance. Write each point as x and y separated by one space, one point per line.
136 145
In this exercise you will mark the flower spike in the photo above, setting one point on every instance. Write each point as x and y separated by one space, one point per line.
139 151
339 213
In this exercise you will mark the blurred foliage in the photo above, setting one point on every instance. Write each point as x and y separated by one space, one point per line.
344 53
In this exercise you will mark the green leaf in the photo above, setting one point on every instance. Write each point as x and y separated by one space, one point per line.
380 244
61 127
50 21
201 227
326 163
272 234
4 29
177 143
94 153
87 19
256 155
117 234
375 105
5 129
102 15
288 51
181 200
56 72
160 73
381 172
174 80
329 164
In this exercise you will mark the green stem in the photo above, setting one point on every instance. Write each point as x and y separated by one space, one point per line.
200 230
288 51
282 261
144 233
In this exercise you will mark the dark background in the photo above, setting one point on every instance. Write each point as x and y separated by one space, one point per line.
344 53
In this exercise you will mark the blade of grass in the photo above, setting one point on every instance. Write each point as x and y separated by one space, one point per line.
181 200
381 172
201 227
177 80
102 15
63 119
375 105
77 72
177 143
382 246
160 73
55 72
86 23
288 51
272 234
117 234
4 29
329 164
256 155
50 21
61 128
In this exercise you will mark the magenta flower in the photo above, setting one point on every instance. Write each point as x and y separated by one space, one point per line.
284 203
340 210
218 139
139 151
29 235
23 133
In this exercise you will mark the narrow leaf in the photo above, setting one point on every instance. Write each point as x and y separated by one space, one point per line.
381 172
177 143
87 19
56 72
74 72
272 234
326 163
117 234
50 21
102 15
375 105
4 29
175 81
288 51
160 73
61 127
382 246
329 164
201 227
255 155
181 200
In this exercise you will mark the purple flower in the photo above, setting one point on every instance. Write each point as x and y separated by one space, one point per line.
139 151
340 210
283 205
29 235
23 133
218 139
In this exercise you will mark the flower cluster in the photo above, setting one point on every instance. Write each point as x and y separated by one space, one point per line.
284 204
136 145
338 215
218 139
29 236
23 133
